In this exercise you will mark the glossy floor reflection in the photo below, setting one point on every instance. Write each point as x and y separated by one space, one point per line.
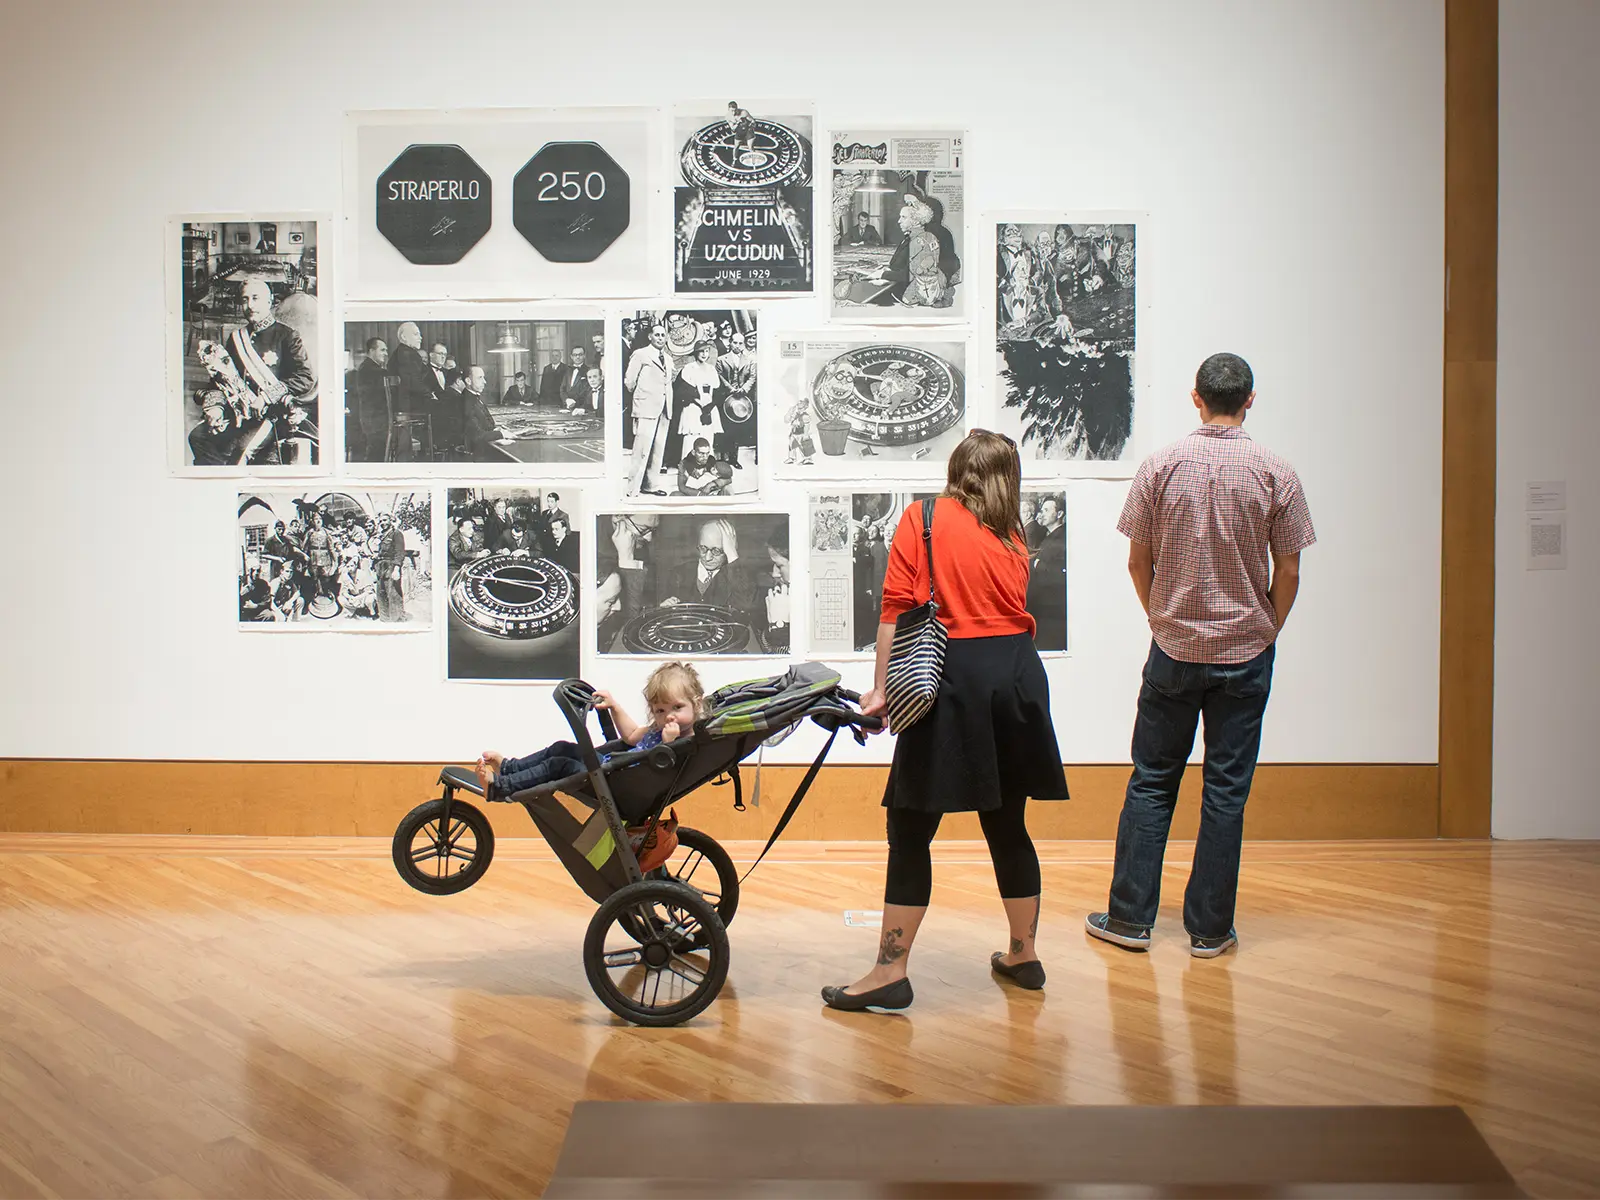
238 1018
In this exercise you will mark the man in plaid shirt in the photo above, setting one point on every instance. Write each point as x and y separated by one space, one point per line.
1202 518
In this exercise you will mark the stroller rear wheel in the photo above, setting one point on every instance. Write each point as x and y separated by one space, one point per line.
443 857
674 971
701 863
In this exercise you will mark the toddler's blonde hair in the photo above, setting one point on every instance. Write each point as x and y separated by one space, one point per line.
674 681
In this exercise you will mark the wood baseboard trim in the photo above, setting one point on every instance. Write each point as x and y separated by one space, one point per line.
1289 801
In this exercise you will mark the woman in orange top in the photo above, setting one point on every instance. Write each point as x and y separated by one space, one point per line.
988 743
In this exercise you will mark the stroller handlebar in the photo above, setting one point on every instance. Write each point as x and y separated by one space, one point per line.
576 698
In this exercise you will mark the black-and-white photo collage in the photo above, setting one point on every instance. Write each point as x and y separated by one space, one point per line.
618 416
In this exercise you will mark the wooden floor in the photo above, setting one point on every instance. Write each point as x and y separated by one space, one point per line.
282 1017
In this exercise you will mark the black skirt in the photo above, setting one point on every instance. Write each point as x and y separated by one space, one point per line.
988 737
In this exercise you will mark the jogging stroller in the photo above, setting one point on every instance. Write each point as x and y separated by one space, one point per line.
656 952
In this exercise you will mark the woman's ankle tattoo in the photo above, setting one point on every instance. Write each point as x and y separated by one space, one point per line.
890 951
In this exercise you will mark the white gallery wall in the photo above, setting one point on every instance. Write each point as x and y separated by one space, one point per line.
1289 157
1547 644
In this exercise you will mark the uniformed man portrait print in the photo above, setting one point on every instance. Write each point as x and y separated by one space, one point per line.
513 555
899 230
420 392
247 387
848 405
689 584
850 536
743 212
335 560
1066 334
690 418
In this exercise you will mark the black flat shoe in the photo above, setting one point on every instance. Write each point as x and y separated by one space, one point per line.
891 995
1028 975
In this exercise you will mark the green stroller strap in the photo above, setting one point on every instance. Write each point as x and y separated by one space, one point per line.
794 803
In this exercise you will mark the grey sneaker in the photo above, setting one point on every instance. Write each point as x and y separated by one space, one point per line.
1201 947
1118 933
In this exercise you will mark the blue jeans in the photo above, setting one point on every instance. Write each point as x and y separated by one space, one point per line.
555 761
1233 697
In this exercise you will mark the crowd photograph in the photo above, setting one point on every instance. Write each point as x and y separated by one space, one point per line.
689 403
688 583
1066 332
513 558
335 560
249 391
491 392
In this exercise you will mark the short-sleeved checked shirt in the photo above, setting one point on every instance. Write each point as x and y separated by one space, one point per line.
1213 507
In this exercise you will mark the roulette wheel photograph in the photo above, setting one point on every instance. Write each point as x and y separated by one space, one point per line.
763 154
513 617
896 401
688 630
513 588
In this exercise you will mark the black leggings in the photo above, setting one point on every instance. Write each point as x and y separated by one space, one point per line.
910 876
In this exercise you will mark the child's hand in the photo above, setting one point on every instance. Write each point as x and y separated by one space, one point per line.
604 699
670 731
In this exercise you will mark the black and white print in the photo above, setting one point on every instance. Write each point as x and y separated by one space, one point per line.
690 418
1044 524
849 538
424 393
743 210
512 555
246 369
335 560
1066 324
501 204
688 584
851 404
899 231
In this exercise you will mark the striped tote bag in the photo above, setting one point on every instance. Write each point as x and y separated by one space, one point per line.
916 656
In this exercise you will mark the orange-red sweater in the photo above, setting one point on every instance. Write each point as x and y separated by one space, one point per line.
980 583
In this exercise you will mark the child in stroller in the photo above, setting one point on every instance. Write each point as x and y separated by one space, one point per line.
676 700
656 949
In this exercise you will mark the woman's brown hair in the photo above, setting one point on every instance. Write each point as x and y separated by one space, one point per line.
985 476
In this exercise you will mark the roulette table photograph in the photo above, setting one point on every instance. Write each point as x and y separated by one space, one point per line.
550 435
513 617
688 630
705 585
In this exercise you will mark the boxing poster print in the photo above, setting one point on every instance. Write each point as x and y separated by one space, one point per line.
742 207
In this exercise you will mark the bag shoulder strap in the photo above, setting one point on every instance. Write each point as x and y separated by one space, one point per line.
799 795
927 541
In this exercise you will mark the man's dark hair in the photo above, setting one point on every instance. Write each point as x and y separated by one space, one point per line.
522 374
1224 382
373 343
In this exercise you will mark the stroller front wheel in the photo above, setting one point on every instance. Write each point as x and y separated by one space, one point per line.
443 857
670 974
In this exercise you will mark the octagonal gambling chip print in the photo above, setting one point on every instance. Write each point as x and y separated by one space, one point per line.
434 204
571 201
